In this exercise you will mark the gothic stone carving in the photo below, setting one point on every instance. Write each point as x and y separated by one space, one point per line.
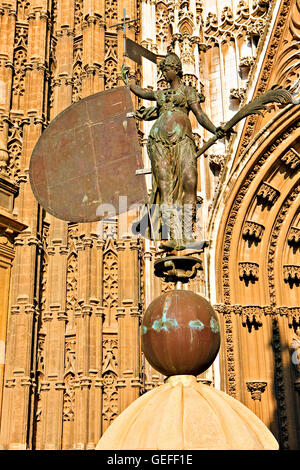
291 158
256 389
294 236
248 270
267 194
216 162
291 272
252 314
253 230
109 375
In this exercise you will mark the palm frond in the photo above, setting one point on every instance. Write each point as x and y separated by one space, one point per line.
276 94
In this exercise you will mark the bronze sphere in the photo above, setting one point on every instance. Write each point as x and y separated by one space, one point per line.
180 333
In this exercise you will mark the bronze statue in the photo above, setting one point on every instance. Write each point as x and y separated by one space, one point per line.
171 146
172 151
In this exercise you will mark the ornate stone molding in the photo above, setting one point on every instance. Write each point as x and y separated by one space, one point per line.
216 162
248 270
292 313
291 158
252 314
235 208
268 64
280 388
251 21
294 236
267 194
256 388
253 230
226 310
291 272
237 94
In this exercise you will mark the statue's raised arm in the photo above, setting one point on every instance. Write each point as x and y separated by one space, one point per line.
136 89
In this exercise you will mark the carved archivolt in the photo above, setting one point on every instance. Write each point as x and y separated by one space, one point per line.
14 147
259 245
266 193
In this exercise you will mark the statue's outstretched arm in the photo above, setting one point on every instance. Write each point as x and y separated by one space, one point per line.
136 89
141 92
204 120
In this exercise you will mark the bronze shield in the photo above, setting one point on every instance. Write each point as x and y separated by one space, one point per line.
87 157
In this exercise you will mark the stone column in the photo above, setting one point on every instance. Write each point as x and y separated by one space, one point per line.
89 323
131 13
93 47
9 228
20 366
64 56
128 315
52 389
7 32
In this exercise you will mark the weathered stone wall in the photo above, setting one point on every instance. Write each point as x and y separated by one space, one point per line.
71 304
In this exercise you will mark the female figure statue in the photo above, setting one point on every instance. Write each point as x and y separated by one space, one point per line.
171 149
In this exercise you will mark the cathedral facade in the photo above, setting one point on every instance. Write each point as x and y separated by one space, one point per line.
71 295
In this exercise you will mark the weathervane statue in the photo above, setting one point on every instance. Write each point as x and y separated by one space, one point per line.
172 149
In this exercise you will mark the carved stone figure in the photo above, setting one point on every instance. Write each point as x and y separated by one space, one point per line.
172 151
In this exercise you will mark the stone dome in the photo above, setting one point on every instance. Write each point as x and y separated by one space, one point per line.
185 414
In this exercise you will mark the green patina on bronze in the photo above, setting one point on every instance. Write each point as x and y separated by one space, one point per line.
144 330
214 325
164 323
196 324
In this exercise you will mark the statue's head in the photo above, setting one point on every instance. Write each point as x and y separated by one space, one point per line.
171 61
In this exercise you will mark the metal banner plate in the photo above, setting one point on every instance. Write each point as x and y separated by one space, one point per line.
135 52
87 157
